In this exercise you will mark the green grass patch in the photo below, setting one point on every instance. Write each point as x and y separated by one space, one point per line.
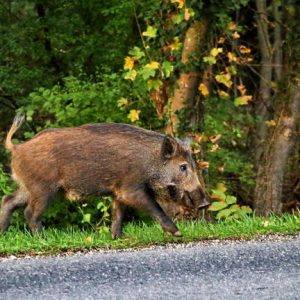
138 234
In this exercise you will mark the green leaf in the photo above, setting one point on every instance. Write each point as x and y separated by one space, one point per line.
103 229
216 206
233 217
219 194
210 60
137 53
122 102
234 207
105 214
246 209
146 73
230 199
150 32
167 68
232 70
46 93
131 74
86 218
100 205
223 214
154 84
178 19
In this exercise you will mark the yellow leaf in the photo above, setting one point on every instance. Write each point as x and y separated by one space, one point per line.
129 63
231 57
224 79
176 44
153 65
270 123
215 138
221 168
221 40
203 164
203 89
180 3
198 138
242 89
265 223
223 94
215 51
196 151
88 239
134 115
214 148
244 49
231 25
187 14
274 84
243 100
221 187
236 35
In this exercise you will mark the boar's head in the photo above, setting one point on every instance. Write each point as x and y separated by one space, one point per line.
179 174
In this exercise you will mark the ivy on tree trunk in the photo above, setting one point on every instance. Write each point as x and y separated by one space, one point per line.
187 83
270 175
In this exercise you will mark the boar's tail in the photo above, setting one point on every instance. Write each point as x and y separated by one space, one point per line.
18 121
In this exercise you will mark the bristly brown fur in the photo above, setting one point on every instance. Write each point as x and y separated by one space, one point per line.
132 164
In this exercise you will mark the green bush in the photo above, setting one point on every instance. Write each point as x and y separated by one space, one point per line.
75 102
5 183
226 207
228 157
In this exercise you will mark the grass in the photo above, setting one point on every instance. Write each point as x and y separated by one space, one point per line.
138 235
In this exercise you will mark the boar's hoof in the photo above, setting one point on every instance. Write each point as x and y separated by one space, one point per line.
178 234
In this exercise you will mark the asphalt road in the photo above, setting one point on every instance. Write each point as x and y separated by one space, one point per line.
215 270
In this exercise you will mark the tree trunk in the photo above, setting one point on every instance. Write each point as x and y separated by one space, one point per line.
277 41
268 190
186 85
264 98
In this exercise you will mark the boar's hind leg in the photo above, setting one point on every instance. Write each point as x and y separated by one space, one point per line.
140 199
9 204
37 205
118 210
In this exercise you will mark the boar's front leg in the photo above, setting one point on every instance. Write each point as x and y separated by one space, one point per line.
118 210
140 199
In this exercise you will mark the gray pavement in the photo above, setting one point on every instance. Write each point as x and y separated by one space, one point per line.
214 270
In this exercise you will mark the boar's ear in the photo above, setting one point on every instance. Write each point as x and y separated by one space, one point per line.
169 147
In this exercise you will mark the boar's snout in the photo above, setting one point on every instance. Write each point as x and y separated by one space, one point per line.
196 199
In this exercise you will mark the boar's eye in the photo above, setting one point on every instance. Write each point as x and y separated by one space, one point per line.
183 167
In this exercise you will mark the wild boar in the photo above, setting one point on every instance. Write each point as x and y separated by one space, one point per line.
132 164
